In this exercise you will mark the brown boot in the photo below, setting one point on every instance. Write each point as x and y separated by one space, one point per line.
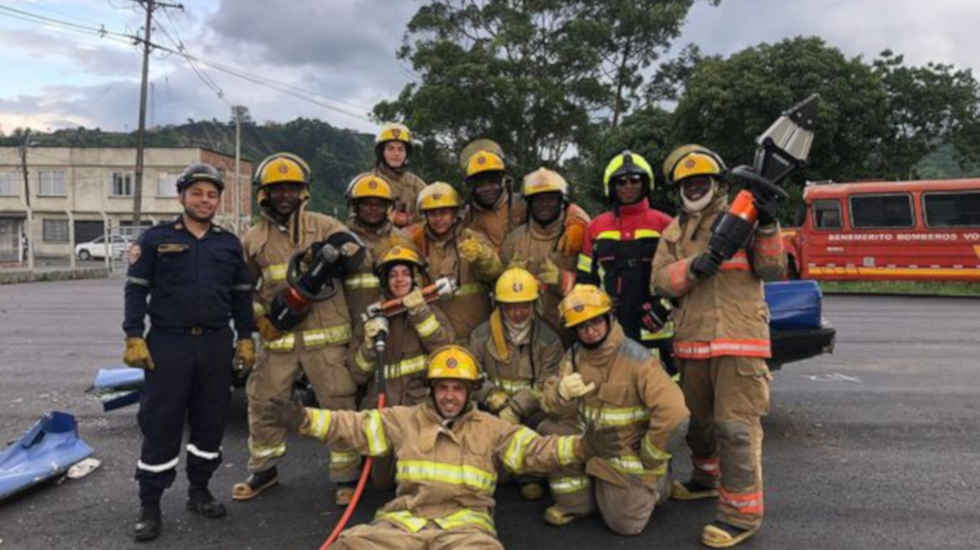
255 484
719 534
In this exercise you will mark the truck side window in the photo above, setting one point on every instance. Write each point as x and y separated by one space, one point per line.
952 209
875 211
826 214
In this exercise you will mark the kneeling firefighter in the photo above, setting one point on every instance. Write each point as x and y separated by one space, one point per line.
447 455
408 336
613 382
299 259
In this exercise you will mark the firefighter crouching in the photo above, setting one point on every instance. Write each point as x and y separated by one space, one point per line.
518 352
194 275
537 245
317 345
614 382
370 202
446 453
392 149
409 337
722 341
451 250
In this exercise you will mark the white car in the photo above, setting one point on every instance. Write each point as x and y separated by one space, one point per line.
96 248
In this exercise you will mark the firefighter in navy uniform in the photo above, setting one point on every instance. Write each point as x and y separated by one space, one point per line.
619 248
195 276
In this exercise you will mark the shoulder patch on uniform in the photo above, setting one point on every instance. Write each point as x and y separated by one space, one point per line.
134 252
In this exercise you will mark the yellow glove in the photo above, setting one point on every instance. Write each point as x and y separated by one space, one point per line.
473 251
549 274
570 243
496 400
267 330
244 355
509 415
413 300
572 386
137 354
373 327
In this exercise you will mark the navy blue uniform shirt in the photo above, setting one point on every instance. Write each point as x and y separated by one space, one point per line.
191 282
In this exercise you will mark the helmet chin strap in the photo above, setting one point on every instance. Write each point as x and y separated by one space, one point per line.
695 206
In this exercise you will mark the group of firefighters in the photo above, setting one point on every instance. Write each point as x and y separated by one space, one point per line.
547 360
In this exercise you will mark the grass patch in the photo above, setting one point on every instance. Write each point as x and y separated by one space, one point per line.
931 288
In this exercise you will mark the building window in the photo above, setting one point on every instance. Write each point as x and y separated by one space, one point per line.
56 231
166 185
122 184
51 183
9 184
878 211
952 209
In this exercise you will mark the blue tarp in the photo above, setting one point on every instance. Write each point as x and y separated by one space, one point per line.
46 450
118 387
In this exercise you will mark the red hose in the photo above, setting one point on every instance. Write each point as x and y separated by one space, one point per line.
365 472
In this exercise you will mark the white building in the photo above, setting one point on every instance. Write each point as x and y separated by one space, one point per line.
79 193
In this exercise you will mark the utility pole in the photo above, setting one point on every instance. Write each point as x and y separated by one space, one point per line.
149 6
27 200
238 174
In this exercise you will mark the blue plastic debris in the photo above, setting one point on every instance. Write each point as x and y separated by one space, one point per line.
46 450
118 387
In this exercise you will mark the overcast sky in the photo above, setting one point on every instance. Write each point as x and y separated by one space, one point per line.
341 53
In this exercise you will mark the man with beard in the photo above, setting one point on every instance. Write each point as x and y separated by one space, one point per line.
613 382
447 454
369 203
535 245
193 272
392 149
318 344
619 248
722 343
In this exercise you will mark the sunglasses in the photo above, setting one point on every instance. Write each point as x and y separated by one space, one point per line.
634 179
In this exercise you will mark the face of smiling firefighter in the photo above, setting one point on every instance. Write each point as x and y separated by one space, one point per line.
450 396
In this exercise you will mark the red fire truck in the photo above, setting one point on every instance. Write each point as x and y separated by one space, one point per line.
888 230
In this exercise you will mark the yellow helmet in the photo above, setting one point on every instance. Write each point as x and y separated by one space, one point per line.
281 168
515 285
369 185
582 303
401 254
438 194
484 161
394 131
454 362
626 163
543 180
692 160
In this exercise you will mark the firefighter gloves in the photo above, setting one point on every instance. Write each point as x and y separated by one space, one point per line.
414 300
473 251
137 354
705 265
601 442
572 386
267 330
373 327
507 414
496 400
288 414
244 355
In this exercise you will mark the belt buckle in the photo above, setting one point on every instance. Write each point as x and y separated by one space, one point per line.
197 331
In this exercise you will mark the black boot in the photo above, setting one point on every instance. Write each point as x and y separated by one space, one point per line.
255 484
148 526
201 501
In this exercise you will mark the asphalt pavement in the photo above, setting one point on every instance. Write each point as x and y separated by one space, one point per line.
875 446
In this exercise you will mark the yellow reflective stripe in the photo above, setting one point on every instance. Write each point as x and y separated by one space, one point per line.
361 280
339 459
469 288
646 234
375 432
265 451
667 331
139 281
514 457
464 517
405 367
258 310
318 423
338 334
428 327
404 518
275 273
361 362
286 343
629 464
569 484
584 263
652 452
566 449
614 235
612 416
512 385
421 471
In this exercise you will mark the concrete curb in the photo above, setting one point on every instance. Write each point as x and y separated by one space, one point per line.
24 276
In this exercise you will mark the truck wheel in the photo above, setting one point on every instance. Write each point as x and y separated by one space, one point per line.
84 255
